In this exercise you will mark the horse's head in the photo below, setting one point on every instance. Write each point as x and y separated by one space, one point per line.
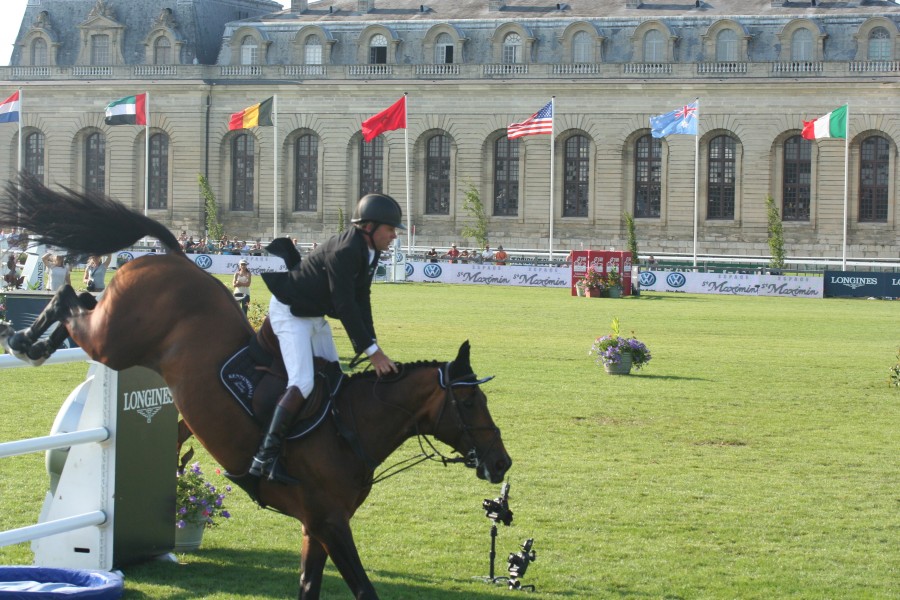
465 422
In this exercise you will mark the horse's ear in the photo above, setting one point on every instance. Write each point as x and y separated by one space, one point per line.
460 366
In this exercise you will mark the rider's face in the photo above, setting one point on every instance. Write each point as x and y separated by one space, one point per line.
382 236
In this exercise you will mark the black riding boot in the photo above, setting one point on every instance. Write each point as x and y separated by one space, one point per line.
265 463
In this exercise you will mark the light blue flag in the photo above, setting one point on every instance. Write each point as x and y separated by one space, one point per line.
681 120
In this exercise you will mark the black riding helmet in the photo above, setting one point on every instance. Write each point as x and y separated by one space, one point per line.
379 208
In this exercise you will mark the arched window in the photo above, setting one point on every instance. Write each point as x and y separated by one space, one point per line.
879 44
506 177
874 162
39 53
162 51
95 163
802 45
249 51
99 50
242 172
158 182
576 166
726 46
306 173
378 50
796 189
647 177
512 49
582 48
654 46
312 50
443 49
437 175
720 179
34 155
371 166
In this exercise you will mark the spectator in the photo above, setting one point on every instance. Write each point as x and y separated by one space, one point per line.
432 255
95 273
241 284
452 254
488 254
651 261
58 272
257 249
501 256
464 257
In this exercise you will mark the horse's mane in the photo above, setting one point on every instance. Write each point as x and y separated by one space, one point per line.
84 223
404 368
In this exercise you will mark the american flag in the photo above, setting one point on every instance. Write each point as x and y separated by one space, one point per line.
539 122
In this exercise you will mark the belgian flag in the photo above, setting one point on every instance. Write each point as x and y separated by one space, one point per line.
258 115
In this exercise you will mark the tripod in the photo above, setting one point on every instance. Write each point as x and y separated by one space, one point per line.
497 510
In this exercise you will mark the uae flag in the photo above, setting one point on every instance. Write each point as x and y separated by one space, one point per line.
127 111
832 125
258 115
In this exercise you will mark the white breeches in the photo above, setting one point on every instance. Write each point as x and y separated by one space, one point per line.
301 338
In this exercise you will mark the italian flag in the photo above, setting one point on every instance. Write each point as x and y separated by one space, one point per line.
832 125
258 115
127 111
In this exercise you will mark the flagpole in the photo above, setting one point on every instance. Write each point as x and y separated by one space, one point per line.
21 114
406 151
146 153
846 171
552 163
275 163
696 179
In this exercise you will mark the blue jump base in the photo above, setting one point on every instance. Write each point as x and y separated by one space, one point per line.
41 583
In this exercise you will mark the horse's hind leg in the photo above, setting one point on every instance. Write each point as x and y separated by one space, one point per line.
24 344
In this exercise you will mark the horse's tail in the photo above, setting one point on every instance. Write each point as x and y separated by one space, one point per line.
81 222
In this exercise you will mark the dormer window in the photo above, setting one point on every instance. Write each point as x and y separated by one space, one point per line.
512 49
802 45
654 46
39 53
727 46
162 51
582 48
443 49
879 44
378 50
99 50
312 50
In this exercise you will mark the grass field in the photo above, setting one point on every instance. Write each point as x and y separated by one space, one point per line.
756 456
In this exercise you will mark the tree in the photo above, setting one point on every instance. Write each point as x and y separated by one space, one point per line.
776 235
632 237
214 229
472 205
340 220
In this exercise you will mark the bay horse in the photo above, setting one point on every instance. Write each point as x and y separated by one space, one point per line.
165 313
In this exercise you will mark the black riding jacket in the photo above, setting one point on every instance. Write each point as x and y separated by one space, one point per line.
334 280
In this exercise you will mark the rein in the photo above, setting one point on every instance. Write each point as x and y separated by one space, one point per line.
471 458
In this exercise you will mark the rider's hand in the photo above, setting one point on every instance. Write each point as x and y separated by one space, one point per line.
382 364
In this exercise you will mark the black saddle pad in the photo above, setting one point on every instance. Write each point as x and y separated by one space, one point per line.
240 377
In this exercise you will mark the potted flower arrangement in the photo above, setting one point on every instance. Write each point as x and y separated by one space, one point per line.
594 284
615 283
197 505
618 355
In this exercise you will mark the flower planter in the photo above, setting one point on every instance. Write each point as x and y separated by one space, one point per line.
623 367
580 291
615 291
189 537
596 292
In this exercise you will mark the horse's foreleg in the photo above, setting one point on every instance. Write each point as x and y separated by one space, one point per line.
24 344
338 541
312 565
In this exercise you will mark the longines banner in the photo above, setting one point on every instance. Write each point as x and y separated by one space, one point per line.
520 275
732 283
219 264
869 285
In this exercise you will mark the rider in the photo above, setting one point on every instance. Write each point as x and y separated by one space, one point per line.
335 280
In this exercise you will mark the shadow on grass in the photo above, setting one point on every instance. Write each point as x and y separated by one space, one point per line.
666 377
262 574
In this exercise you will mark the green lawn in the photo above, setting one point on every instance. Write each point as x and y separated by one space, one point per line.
756 456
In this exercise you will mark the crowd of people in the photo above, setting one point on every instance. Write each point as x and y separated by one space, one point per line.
224 245
454 255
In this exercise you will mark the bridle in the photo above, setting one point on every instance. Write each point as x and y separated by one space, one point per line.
472 457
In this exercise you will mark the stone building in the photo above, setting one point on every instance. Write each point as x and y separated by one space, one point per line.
759 68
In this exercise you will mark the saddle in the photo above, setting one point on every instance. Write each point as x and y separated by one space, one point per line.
256 377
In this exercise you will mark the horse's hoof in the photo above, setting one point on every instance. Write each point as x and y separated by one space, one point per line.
18 345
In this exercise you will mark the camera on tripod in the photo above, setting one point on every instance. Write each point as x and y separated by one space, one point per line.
497 510
518 563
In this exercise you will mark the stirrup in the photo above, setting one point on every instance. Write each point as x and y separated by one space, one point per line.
271 470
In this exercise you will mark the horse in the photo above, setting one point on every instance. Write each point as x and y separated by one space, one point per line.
165 313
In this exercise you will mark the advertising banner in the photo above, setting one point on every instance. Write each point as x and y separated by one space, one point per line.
218 264
602 261
732 283
488 274
862 284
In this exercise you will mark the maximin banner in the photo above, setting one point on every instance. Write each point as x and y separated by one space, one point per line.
488 274
732 283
